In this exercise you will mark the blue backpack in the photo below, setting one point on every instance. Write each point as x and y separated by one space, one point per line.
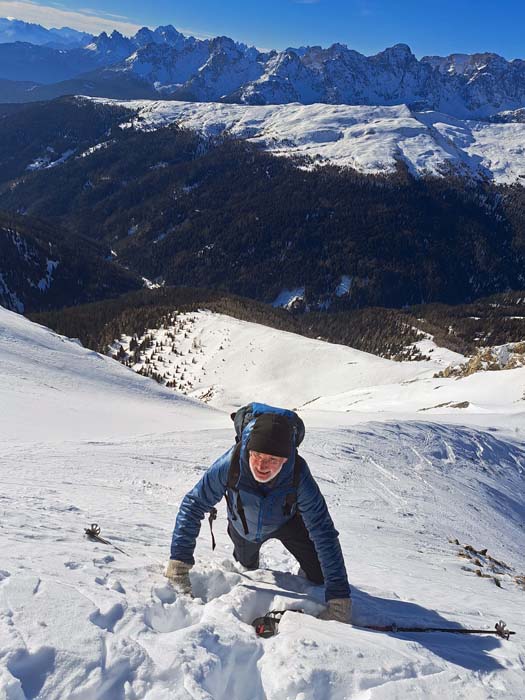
246 414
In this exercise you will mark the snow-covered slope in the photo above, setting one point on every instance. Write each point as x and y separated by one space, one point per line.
52 389
82 620
226 362
369 139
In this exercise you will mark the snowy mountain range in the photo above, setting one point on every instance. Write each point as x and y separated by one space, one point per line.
220 69
13 30
429 510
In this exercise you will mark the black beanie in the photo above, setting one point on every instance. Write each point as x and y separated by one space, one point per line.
271 435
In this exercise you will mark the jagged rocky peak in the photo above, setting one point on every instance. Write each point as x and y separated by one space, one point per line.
486 61
102 38
115 44
145 36
161 35
170 35
464 64
397 56
284 59
319 58
320 54
336 50
227 46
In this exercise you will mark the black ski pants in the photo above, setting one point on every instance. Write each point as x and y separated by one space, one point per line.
294 536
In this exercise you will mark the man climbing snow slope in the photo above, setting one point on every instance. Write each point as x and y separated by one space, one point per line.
270 494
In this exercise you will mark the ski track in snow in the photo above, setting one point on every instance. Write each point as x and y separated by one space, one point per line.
83 621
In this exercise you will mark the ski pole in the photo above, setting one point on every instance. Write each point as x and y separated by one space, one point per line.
268 625
500 629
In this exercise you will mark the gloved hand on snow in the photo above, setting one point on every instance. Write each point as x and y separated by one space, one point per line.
338 609
178 572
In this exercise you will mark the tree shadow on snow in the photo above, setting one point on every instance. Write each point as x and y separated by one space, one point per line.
469 651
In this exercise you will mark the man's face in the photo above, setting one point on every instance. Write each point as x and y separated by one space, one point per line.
265 467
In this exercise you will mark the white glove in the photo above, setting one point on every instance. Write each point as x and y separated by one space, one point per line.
338 609
178 572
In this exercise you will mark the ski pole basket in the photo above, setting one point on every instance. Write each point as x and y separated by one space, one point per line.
268 625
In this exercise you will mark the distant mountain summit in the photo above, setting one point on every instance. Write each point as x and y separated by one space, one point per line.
12 30
110 49
166 63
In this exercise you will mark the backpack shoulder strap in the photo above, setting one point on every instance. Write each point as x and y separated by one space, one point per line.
291 498
233 479
234 471
297 469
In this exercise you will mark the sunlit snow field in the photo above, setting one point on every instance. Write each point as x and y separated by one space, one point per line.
370 139
83 440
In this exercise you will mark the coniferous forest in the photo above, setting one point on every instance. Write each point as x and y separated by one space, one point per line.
225 215
383 331
217 220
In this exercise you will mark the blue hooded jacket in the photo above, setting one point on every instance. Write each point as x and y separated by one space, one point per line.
263 508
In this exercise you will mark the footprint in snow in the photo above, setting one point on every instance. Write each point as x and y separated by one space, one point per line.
72 565
108 620
165 618
212 583
115 585
32 670
166 593
108 559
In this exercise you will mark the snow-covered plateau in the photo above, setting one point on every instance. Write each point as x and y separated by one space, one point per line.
417 497
368 139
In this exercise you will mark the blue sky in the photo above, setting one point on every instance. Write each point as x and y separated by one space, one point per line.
447 26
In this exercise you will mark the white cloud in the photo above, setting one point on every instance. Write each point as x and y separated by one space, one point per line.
49 16
85 19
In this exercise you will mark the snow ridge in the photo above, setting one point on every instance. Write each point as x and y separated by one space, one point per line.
368 139
226 362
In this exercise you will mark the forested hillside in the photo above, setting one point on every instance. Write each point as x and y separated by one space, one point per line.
45 266
386 332
221 214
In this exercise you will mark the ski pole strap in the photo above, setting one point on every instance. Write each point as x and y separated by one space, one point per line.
211 517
